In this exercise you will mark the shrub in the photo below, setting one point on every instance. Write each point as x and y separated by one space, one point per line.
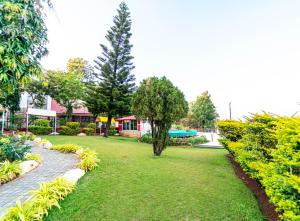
26 136
42 123
66 148
269 152
40 127
89 131
32 156
9 171
231 130
112 131
261 133
88 159
12 149
197 140
62 121
178 142
147 138
92 125
39 130
71 129
47 196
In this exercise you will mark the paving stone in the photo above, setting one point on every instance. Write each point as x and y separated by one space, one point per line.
54 164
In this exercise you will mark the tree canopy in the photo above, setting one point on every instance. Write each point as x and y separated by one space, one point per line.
204 112
81 66
161 103
23 39
115 80
66 88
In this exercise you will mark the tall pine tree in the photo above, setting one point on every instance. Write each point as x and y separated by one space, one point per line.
116 83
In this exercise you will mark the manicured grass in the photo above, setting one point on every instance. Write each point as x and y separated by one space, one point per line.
131 184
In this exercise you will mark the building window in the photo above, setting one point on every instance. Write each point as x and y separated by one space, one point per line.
126 125
133 125
130 125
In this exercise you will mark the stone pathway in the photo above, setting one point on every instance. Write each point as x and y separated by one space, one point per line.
54 164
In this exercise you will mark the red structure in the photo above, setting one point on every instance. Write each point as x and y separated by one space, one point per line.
81 115
130 126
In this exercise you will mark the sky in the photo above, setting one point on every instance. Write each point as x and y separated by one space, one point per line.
244 52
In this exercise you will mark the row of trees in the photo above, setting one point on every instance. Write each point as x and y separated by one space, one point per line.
108 89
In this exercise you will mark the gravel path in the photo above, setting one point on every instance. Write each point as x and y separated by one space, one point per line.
53 165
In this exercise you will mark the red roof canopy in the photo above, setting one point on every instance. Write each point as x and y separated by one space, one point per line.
61 110
127 118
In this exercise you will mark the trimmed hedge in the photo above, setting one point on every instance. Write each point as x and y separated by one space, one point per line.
71 129
89 131
39 130
269 151
40 127
42 122
92 125
230 131
147 138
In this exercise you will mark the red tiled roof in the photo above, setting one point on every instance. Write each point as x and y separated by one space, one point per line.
127 118
61 110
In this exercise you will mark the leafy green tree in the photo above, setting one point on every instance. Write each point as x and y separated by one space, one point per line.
116 83
81 66
161 103
204 111
11 102
94 100
66 88
23 39
36 89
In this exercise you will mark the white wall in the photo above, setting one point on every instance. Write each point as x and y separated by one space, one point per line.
145 127
24 99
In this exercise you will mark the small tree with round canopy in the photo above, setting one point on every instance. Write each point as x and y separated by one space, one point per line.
161 103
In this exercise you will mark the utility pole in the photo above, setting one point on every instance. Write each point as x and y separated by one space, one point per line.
230 110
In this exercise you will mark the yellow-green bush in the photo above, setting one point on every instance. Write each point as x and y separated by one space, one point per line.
32 156
9 170
47 196
89 131
88 159
71 129
270 152
66 148
231 129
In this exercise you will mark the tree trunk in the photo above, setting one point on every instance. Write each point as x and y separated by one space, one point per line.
108 125
69 113
157 148
158 139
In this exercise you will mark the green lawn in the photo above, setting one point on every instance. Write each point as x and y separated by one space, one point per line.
131 184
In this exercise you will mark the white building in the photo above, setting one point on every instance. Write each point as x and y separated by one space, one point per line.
28 108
